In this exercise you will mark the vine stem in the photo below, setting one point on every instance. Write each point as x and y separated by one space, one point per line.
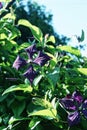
68 128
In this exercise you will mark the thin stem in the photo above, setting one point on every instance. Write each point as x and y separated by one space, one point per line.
16 124
68 128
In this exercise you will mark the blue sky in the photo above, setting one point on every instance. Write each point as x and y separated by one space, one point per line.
69 17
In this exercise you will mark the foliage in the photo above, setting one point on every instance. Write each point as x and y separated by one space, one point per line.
38 16
61 70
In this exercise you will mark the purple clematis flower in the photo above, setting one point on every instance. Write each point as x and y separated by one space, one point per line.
30 74
76 105
1 6
73 118
19 62
31 50
41 59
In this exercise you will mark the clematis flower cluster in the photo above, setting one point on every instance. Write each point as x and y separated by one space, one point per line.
40 60
76 106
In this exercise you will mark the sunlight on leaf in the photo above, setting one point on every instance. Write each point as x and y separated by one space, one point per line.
10 16
5 0
37 33
51 39
14 119
42 102
70 49
23 46
82 70
37 80
52 113
23 87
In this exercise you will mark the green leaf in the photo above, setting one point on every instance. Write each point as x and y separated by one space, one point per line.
42 107
53 60
51 113
2 97
51 39
3 36
34 122
0 120
14 119
81 39
12 31
20 98
82 70
23 87
5 0
37 33
54 103
37 80
23 46
82 36
84 123
9 45
42 102
26 81
70 49
10 16
18 107
54 76
2 128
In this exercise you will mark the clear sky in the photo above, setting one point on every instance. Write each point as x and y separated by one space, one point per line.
69 16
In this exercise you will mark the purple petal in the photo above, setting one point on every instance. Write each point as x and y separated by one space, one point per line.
19 62
31 50
41 59
84 105
30 74
68 103
84 111
73 118
1 6
77 97
84 108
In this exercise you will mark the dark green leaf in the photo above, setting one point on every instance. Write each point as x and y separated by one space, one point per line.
54 76
82 36
18 107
